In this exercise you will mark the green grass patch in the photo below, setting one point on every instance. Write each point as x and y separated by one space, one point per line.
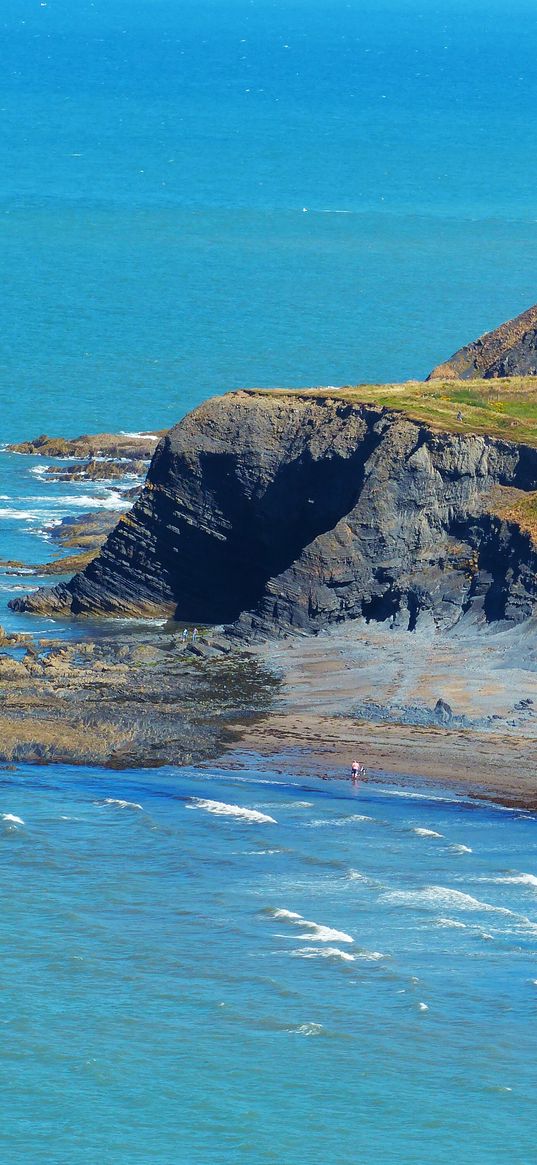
498 408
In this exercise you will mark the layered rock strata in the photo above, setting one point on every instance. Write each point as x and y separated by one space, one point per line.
291 511
510 350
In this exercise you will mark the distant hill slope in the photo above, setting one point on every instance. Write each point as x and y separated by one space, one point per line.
510 350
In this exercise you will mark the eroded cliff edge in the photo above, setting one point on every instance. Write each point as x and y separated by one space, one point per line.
274 511
509 350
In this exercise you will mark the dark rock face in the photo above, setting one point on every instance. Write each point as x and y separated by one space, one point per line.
510 350
443 712
275 512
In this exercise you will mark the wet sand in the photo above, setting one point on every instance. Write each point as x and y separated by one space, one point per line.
360 693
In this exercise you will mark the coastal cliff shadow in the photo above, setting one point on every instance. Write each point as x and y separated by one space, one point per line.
259 529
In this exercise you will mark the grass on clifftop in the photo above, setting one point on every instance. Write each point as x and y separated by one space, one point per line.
499 408
515 506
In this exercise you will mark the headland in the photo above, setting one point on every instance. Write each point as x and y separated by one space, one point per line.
365 557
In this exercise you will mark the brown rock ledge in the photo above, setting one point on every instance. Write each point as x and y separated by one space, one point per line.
138 446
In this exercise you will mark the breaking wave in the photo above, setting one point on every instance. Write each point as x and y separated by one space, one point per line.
119 803
431 897
323 953
313 930
516 880
348 820
221 809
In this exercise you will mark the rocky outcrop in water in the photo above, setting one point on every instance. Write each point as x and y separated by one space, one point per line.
291 511
510 350
130 445
97 470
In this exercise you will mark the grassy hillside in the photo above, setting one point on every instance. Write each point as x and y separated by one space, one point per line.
501 408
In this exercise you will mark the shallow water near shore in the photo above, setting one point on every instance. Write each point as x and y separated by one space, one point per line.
205 965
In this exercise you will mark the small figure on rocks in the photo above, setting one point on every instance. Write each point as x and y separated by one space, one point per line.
184 635
357 771
443 712
194 634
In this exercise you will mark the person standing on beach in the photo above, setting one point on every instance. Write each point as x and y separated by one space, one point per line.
356 771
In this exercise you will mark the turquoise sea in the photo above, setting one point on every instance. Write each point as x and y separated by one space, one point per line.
201 967
204 194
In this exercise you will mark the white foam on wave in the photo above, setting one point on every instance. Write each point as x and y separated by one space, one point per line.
221 809
338 821
236 779
324 934
314 930
422 796
431 897
426 832
353 875
19 515
323 953
141 436
12 819
112 500
460 849
423 1007
27 589
49 524
450 923
286 804
119 803
255 852
307 1029
515 880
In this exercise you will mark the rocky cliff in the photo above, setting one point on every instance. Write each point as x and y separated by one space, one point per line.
287 510
510 350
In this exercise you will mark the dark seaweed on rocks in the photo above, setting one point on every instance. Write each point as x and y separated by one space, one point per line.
127 700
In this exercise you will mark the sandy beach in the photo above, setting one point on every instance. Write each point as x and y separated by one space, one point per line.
369 692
